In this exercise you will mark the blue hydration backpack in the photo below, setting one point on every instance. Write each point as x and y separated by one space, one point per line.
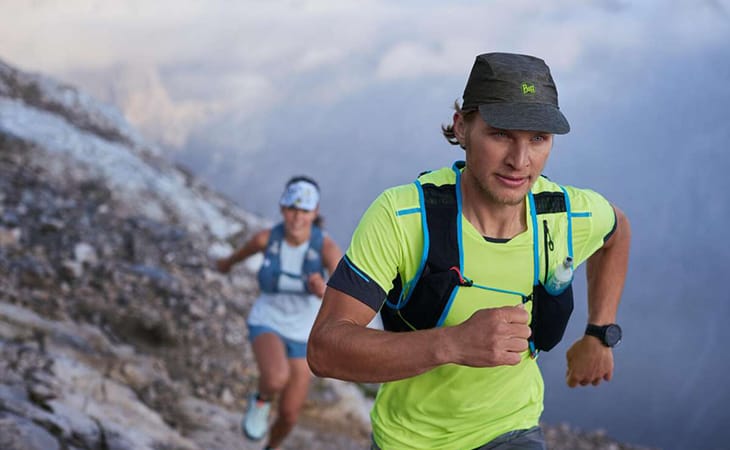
270 271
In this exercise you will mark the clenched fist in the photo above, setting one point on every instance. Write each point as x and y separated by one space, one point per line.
491 337
316 284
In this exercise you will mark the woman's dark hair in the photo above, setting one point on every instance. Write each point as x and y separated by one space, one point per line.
319 220
298 178
448 130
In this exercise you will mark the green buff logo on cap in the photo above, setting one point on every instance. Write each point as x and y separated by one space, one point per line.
528 88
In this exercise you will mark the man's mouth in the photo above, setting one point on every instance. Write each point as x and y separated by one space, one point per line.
512 181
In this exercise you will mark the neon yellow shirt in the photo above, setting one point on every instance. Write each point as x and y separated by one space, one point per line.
458 407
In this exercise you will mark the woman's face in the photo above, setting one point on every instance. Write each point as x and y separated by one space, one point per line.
298 223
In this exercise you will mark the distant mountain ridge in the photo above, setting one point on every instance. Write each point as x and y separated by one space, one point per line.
65 121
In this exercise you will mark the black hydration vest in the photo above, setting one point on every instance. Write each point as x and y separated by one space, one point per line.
426 304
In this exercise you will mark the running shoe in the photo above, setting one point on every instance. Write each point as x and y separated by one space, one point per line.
256 421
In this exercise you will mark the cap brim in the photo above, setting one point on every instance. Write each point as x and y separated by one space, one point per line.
525 116
308 208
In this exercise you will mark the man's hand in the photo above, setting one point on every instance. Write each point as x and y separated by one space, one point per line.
491 337
316 284
589 361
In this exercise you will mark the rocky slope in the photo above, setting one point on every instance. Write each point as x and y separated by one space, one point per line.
115 333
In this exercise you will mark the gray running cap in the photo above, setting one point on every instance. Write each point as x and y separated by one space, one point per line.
514 92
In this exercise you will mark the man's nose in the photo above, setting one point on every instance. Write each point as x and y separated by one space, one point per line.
519 155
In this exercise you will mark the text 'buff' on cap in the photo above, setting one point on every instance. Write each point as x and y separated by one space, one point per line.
514 92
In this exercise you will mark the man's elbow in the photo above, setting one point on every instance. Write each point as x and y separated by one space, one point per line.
315 355
624 226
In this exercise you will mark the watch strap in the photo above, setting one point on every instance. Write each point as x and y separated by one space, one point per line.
599 331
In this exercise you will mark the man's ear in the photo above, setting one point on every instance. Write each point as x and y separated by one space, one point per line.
460 129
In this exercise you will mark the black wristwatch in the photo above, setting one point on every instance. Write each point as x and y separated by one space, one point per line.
610 335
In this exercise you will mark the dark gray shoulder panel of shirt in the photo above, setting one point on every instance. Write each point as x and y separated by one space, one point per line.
355 283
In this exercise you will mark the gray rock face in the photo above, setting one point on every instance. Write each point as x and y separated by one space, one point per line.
115 333
19 433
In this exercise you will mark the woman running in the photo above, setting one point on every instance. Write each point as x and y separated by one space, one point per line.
297 253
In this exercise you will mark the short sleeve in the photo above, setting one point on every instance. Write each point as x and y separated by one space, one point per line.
370 265
594 220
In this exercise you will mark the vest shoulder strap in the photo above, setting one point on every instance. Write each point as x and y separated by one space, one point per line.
316 239
276 234
440 206
550 202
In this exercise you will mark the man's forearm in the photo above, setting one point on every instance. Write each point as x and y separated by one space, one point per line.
606 272
374 356
341 346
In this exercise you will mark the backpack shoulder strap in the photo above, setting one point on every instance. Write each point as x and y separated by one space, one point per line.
439 214
549 203
570 220
313 258
268 274
557 202
277 234
316 239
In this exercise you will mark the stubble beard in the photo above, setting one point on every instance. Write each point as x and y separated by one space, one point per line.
500 200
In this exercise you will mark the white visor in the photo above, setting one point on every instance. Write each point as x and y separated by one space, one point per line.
301 195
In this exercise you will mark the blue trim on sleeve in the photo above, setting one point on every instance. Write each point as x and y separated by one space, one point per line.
352 281
354 269
404 212
583 214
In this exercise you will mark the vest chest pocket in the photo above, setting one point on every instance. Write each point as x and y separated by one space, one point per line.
425 305
436 283
550 315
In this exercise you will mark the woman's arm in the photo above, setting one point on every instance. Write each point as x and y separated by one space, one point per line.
256 244
331 255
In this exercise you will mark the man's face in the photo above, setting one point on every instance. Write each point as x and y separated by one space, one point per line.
502 164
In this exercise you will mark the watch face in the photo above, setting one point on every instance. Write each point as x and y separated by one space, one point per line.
613 335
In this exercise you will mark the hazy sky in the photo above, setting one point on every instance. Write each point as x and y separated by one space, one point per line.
249 93
189 64
221 77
